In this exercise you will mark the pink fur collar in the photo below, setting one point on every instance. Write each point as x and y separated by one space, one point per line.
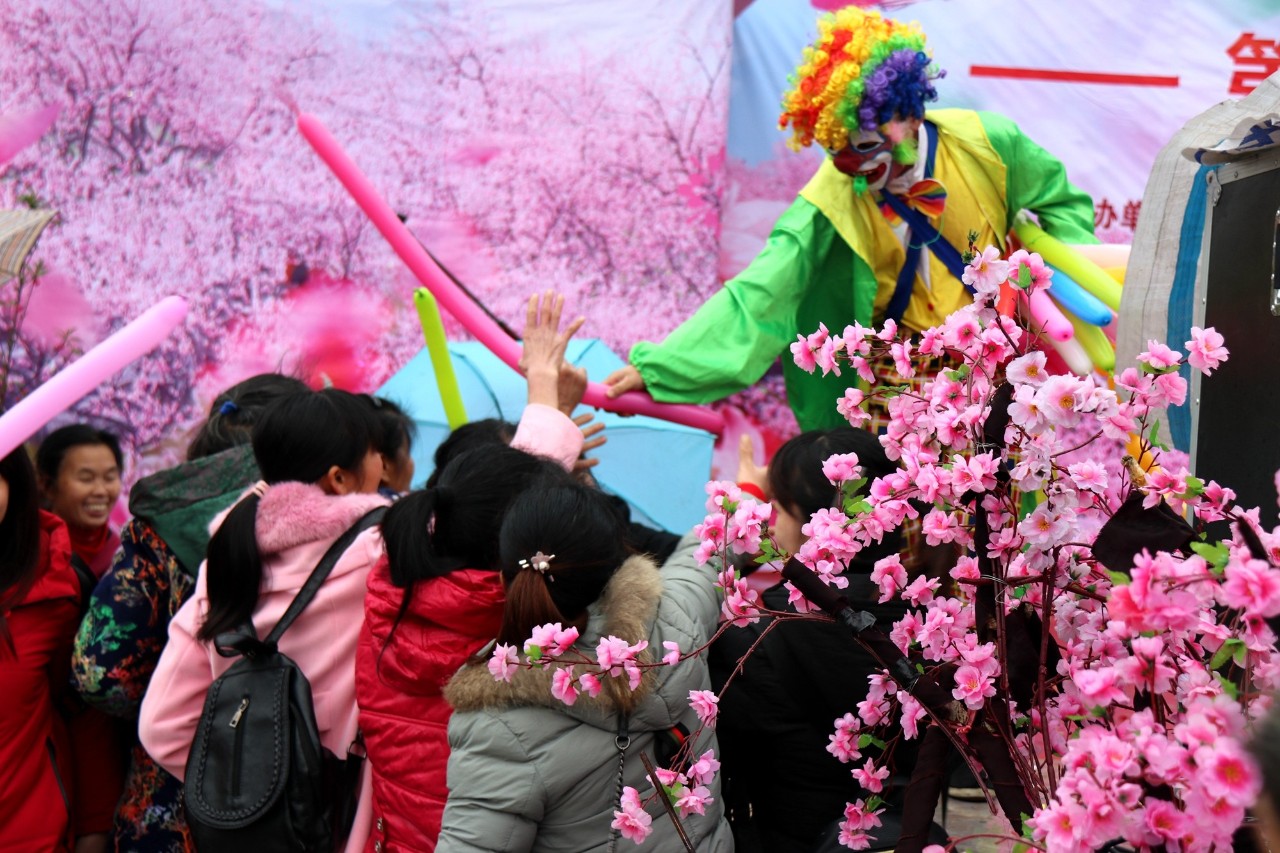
292 514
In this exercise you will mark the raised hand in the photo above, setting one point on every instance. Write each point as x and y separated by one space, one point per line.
544 346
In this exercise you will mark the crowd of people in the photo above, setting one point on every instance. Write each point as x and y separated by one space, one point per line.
291 534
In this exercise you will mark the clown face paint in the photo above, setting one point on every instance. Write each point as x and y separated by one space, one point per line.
877 156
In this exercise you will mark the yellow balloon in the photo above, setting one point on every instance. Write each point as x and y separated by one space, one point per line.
1079 269
441 360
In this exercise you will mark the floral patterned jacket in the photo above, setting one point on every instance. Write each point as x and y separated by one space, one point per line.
127 626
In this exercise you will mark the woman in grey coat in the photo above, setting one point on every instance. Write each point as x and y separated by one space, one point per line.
528 772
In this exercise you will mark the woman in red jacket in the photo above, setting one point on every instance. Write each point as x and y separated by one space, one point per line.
50 797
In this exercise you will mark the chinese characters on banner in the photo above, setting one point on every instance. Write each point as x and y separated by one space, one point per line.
1255 59
1105 214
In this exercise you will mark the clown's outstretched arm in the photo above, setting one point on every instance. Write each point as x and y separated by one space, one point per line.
731 341
1037 181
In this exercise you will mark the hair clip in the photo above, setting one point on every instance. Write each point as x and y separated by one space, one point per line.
228 408
539 562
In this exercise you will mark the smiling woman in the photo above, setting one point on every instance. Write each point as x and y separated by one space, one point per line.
80 469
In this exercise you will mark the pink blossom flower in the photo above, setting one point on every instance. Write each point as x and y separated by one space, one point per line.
1099 686
1044 527
921 590
841 468
612 652
901 353
972 687
1089 476
589 684
986 272
850 406
1252 586
1035 267
1159 356
503 662
672 657
1227 770
939 527
705 704
869 777
550 639
844 742
1205 350
802 354
694 800
631 820
562 685
702 771
890 575
912 713
1164 820
741 603
1027 369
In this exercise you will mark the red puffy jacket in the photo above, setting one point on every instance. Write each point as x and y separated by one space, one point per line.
46 780
398 687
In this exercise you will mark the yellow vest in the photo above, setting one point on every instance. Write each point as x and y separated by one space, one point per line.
974 177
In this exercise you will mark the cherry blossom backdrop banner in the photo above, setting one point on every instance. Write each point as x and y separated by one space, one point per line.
579 144
573 144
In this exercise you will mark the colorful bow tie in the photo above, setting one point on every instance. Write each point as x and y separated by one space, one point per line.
928 197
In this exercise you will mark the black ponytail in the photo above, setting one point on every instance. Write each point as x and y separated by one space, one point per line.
454 524
581 528
236 571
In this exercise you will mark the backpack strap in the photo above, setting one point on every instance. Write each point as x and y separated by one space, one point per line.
321 572
86 580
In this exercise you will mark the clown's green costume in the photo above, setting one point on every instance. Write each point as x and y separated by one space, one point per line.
833 258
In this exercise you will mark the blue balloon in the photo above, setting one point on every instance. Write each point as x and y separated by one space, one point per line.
1076 299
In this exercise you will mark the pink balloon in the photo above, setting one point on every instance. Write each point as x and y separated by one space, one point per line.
451 297
89 371
19 131
1050 318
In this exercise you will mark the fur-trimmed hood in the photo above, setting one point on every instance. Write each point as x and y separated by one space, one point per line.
627 609
292 514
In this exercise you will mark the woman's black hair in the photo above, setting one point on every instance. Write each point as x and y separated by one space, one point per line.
237 409
19 528
798 485
454 524
298 437
56 444
397 430
581 528
468 437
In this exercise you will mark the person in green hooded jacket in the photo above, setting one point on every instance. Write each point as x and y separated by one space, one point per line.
876 234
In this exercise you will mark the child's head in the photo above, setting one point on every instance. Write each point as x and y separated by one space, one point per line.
559 545
325 438
395 443
237 409
19 524
469 436
454 523
797 484
80 469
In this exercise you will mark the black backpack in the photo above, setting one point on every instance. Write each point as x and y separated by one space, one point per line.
258 778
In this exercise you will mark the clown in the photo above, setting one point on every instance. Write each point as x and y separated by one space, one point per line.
876 234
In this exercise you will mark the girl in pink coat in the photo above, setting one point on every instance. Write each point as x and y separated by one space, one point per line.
320 475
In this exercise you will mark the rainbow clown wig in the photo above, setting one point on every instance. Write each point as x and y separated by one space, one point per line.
864 70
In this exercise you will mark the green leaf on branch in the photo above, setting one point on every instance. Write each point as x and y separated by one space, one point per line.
534 653
1231 649
1153 437
1119 578
866 740
1024 276
1227 687
1215 555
